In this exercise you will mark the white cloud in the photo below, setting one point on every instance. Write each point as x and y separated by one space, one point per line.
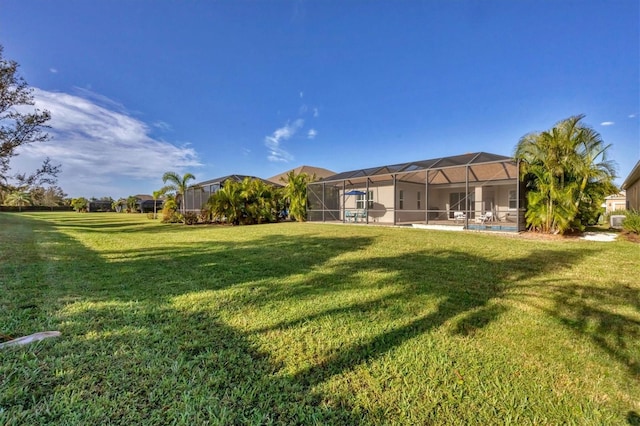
99 146
607 123
633 115
162 125
53 70
312 133
301 95
273 142
316 113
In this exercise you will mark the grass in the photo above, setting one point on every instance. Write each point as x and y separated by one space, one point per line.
313 324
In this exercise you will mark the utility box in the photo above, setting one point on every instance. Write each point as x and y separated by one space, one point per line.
616 221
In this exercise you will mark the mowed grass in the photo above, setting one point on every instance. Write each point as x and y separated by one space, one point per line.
313 324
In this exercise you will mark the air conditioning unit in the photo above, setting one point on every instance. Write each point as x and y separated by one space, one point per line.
616 220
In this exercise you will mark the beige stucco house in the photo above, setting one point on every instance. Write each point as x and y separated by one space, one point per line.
632 187
475 191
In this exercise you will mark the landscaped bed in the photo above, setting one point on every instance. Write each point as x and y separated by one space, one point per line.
313 324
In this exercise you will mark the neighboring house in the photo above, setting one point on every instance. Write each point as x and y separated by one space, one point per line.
615 202
99 206
147 206
477 190
318 172
632 187
198 193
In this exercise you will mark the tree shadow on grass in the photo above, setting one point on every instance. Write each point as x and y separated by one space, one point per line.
215 371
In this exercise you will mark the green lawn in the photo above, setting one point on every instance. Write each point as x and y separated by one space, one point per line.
313 324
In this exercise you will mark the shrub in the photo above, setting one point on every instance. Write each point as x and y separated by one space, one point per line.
631 222
190 218
150 216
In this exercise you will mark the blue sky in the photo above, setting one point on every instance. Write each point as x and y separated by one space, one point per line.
137 88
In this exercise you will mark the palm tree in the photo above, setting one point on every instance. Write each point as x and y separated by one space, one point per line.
227 203
567 174
18 198
179 185
157 194
259 201
295 191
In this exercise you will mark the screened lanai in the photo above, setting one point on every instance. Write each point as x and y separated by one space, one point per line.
198 194
471 191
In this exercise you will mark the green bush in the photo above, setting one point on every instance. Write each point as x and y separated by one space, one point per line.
631 222
190 218
150 216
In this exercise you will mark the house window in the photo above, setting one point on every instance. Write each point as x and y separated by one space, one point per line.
513 199
401 200
361 199
418 198
457 202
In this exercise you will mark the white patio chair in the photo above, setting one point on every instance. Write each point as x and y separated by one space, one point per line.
459 216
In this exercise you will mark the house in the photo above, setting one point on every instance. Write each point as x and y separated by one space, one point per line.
198 194
615 202
100 206
475 191
632 187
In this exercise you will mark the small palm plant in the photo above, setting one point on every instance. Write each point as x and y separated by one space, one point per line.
19 199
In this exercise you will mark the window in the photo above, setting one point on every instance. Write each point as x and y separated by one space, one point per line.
401 200
513 199
457 202
360 201
418 198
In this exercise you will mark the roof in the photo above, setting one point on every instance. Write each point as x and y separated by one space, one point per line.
143 197
492 168
223 179
633 177
319 172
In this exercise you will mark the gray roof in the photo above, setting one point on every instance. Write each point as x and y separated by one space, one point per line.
414 166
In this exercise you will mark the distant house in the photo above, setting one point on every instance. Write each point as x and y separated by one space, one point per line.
318 172
615 202
198 194
475 191
99 206
632 187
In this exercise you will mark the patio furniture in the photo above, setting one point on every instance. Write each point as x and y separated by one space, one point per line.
459 216
486 217
348 215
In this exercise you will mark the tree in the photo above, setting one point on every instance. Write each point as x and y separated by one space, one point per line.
259 201
227 203
19 198
51 196
80 204
179 185
567 174
132 204
295 191
157 194
19 128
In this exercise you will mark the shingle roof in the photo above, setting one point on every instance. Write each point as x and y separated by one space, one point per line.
319 172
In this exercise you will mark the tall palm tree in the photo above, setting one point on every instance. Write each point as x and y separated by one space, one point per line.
179 184
157 194
567 173
295 191
18 198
